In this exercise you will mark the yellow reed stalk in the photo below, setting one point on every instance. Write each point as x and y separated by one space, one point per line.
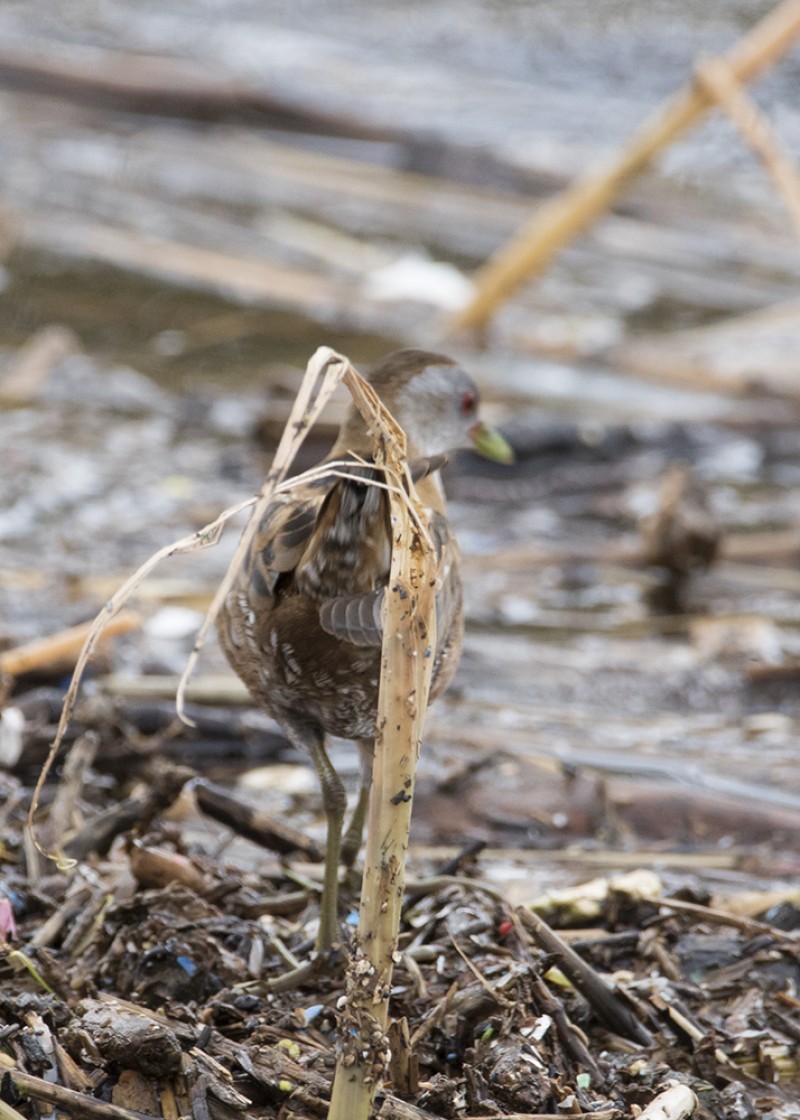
409 639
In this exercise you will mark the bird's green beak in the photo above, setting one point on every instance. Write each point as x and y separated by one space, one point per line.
489 443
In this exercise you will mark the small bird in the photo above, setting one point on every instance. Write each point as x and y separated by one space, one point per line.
302 623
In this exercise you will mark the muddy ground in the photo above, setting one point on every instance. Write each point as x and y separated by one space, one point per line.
628 696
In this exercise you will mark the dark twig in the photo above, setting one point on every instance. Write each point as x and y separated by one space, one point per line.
98 834
251 823
592 987
448 867
569 1036
167 87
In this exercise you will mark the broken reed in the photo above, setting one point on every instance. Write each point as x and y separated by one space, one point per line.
409 641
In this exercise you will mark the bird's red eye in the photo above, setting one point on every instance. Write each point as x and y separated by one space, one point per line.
469 402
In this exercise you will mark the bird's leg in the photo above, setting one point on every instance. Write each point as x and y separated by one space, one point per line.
334 802
351 844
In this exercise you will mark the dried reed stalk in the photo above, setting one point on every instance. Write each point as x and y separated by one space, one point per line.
555 223
409 638
721 85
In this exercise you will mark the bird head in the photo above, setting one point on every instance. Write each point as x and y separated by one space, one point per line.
435 402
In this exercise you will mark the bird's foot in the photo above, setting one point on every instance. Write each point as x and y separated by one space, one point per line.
297 976
322 962
354 835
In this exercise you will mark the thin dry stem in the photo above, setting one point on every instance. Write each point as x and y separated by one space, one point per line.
719 82
203 538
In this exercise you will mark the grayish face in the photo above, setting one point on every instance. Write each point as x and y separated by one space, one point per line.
440 407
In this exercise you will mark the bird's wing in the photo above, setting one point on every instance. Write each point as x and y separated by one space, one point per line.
324 538
330 541
281 538
355 618
348 551
358 618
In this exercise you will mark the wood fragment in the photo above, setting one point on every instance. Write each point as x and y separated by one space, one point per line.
71 1073
748 904
98 834
571 1039
77 897
61 648
166 86
133 1090
200 1109
714 914
602 1114
403 1064
170 1109
675 1103
244 278
83 932
211 688
754 352
682 535
158 867
449 866
254 825
776 547
130 1039
278 1074
9 1113
76 1104
60 819
395 1109
34 362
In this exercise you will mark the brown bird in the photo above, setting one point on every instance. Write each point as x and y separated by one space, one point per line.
302 625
